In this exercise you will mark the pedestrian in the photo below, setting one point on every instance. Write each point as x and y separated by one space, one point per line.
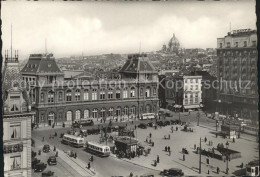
194 146
168 148
54 148
89 165
217 170
169 152
205 139
56 154
75 155
150 135
233 139
165 149
131 174
172 129
242 165
146 140
169 137
183 157
158 159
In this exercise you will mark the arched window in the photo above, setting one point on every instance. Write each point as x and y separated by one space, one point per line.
103 112
77 117
154 91
50 97
42 97
148 92
141 91
118 111
132 110
94 94
86 95
132 92
110 93
68 95
86 114
102 94
94 112
77 95
111 111
69 116
60 96
125 93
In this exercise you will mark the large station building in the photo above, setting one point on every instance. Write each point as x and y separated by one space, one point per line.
237 74
57 101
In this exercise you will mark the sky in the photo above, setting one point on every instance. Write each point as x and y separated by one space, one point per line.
93 28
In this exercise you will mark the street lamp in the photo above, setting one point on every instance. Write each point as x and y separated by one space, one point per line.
227 145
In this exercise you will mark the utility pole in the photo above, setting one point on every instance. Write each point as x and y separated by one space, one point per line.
200 158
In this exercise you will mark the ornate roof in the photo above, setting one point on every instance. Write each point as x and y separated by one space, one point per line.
137 63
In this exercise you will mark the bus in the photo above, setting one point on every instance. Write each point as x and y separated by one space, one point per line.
250 130
97 148
148 116
76 141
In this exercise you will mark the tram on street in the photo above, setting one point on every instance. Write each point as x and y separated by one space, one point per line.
76 141
97 148
146 116
252 168
250 130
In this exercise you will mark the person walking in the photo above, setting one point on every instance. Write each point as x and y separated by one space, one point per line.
169 137
172 129
169 152
150 135
131 174
165 149
217 170
75 155
54 148
89 165
194 146
168 148
205 139
183 157
158 159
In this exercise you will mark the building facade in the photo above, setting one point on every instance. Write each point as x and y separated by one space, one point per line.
184 92
57 101
237 74
17 118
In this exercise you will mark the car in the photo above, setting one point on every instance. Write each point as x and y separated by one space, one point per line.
160 123
47 173
165 123
150 124
76 125
46 148
148 175
35 161
40 167
172 172
142 126
52 160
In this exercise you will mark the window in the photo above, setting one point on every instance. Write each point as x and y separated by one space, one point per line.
77 115
132 92
191 87
77 95
125 110
245 43
191 80
60 96
85 95
15 130
69 116
14 104
220 45
196 87
103 112
148 92
102 95
110 112
94 113
118 94
15 162
154 91
94 94
228 44
118 111
42 97
236 44
110 93
141 91
196 80
132 110
86 114
125 94
42 117
50 97
68 95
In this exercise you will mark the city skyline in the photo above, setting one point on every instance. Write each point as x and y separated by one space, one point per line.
82 28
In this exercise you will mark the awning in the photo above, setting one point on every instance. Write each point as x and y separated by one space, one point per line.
191 106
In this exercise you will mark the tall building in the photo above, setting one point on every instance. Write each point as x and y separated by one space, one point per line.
237 74
17 118
57 101
183 92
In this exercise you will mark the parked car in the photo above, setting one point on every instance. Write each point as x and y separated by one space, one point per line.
172 172
35 161
160 123
142 126
165 123
34 154
150 124
52 160
40 167
76 125
46 148
47 173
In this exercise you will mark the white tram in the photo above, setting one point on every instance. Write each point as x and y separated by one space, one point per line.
73 140
97 148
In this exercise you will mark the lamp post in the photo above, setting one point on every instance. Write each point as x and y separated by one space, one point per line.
227 169
200 158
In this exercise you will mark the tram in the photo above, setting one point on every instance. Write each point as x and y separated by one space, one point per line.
73 140
97 148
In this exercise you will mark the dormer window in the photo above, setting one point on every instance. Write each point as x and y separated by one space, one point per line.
14 104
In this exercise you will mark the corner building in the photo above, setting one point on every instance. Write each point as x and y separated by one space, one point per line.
17 116
237 66
57 101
